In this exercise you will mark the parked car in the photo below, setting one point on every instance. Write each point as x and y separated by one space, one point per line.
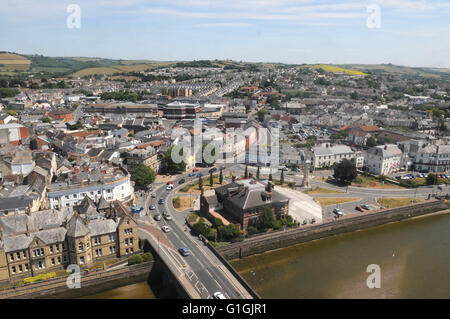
365 206
358 207
219 295
169 187
152 207
184 251
191 174
181 181
338 212
195 170
169 182
157 217
165 229
161 201
199 175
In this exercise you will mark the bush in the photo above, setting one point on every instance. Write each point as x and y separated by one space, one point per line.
251 230
135 259
217 222
177 202
277 225
147 257
212 234
357 181
192 217
30 280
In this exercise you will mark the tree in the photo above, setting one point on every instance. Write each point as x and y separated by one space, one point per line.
202 228
261 114
143 175
266 219
257 172
228 232
211 180
135 259
345 171
282 178
221 176
246 172
147 257
46 120
200 182
431 179
371 142
169 165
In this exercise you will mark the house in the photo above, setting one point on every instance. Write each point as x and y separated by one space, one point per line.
383 159
327 155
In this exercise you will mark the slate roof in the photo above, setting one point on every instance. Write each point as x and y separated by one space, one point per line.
102 226
77 228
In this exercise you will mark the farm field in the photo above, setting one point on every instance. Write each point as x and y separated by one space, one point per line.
12 62
335 69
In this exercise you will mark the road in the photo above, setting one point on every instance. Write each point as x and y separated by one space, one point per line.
210 272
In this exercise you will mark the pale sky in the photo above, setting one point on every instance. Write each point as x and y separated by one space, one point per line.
411 32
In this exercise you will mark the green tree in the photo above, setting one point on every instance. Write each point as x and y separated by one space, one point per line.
200 182
431 179
143 175
246 172
266 219
228 232
261 114
46 120
147 257
169 165
354 95
221 176
345 171
371 142
135 259
258 172
202 228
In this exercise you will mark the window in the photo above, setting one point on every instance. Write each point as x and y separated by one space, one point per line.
98 252
63 246
27 267
126 242
53 261
13 269
97 240
18 255
64 258
24 254
112 237
74 195
59 260
126 251
57 248
80 247
20 268
11 257
131 241
112 249
87 245
67 196
131 250
81 260
51 249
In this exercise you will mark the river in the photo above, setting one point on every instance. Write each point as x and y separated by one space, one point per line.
413 255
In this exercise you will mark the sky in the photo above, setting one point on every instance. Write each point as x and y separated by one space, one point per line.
403 32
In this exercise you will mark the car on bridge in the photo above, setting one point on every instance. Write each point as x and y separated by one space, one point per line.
218 295
165 229
184 251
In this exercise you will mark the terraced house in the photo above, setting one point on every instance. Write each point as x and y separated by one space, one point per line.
50 240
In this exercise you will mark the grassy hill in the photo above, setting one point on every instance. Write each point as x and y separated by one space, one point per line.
335 69
401 70
12 62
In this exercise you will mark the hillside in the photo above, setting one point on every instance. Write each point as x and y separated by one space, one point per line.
401 70
335 69
12 62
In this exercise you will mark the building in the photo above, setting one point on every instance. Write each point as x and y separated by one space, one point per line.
180 110
106 180
175 91
145 110
142 155
13 133
243 201
61 114
383 159
50 240
433 158
327 155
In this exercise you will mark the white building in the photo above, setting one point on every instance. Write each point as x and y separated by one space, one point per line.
327 155
383 159
433 158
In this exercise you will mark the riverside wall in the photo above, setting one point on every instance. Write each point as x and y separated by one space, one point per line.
281 239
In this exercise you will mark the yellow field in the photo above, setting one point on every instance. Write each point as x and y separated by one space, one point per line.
185 203
11 62
119 68
335 69
325 201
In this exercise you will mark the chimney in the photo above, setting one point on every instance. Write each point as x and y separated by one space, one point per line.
385 147
27 229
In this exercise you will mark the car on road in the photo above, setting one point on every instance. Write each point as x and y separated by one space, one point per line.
199 175
167 216
191 174
359 207
165 229
157 217
365 206
152 207
161 201
169 182
338 212
153 195
195 170
169 187
218 295
184 251
181 181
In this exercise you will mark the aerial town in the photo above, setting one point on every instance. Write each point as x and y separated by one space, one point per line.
87 168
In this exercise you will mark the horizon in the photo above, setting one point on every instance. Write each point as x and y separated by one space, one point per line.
399 32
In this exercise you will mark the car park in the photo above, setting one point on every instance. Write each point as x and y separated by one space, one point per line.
165 229
184 251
